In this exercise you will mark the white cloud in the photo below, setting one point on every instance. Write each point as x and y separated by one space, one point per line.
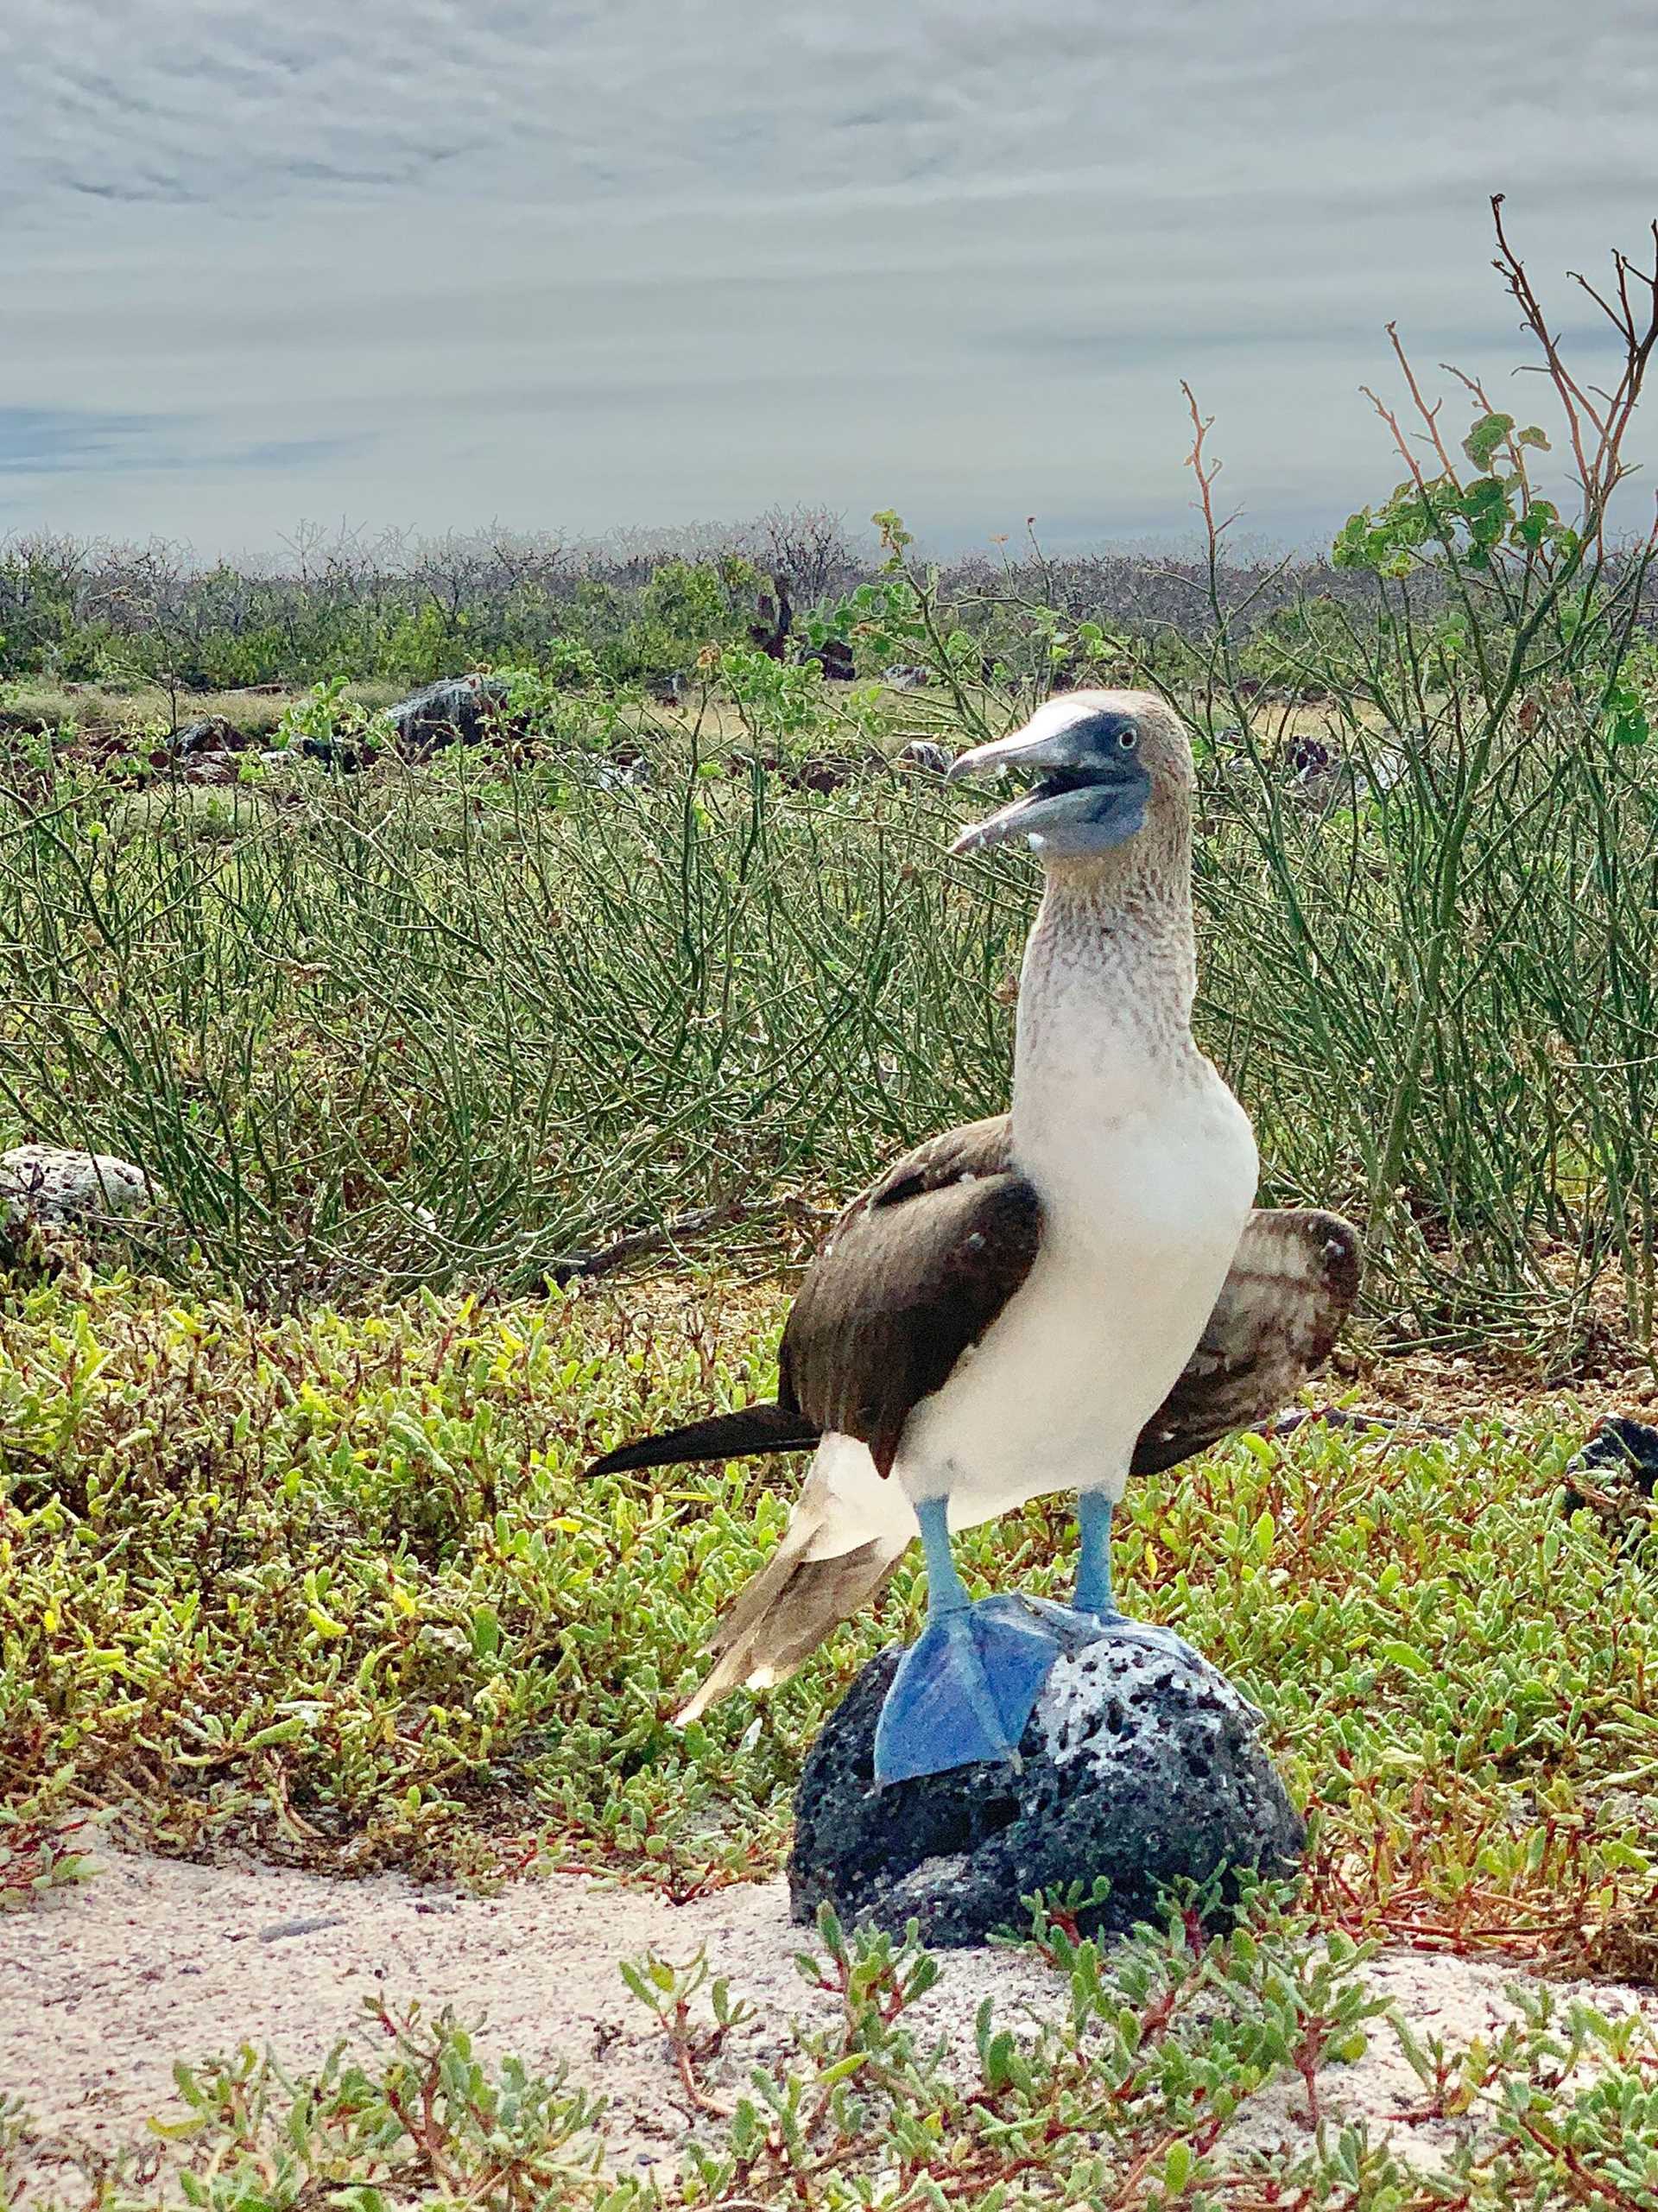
578 266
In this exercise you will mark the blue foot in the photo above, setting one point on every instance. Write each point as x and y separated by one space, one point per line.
964 1689
1147 1633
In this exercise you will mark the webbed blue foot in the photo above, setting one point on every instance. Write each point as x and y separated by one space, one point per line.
1149 1634
964 1689
1075 1626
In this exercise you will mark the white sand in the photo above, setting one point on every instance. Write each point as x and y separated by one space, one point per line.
104 1986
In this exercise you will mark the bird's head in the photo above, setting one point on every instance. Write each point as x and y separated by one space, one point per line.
1108 762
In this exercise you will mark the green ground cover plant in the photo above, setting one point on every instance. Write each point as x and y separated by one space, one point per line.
335 1588
340 1586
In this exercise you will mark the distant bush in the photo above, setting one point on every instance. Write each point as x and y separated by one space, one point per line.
410 611
413 612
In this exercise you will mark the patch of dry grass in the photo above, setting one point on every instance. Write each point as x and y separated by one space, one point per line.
36 704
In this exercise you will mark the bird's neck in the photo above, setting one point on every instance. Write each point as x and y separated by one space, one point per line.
1109 979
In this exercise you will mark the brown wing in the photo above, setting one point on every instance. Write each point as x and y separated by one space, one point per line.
1291 1287
912 1274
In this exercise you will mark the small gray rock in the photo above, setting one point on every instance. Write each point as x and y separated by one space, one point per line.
906 675
1137 1763
921 752
623 774
280 1931
41 1182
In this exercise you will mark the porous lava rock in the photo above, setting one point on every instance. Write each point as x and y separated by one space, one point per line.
1138 1763
1616 1476
215 734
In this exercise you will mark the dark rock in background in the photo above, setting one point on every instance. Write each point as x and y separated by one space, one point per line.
461 710
1616 1476
1138 1765
1620 1442
333 754
203 751
214 734
834 658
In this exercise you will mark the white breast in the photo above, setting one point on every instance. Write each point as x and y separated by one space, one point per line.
1142 1216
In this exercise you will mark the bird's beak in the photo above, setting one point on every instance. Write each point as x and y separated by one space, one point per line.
1094 794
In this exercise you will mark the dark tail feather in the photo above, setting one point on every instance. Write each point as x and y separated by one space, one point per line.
767 1428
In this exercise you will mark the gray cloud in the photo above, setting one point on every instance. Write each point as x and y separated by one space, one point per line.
68 441
46 440
577 267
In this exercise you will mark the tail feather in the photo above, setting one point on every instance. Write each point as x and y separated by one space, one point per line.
781 1616
754 1428
784 1613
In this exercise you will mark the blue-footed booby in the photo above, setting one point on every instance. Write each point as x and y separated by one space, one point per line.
1051 1299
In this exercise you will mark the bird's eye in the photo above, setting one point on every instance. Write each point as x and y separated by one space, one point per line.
1127 739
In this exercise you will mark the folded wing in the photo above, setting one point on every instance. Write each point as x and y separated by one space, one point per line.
911 1276
1291 1287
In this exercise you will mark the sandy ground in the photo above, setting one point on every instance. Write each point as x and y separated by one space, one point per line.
104 1986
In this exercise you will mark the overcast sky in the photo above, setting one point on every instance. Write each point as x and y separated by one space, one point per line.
438 263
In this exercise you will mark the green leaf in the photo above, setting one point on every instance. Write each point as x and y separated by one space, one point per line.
1487 437
1627 723
1485 509
843 2069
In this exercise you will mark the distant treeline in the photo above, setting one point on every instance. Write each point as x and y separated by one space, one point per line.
638 608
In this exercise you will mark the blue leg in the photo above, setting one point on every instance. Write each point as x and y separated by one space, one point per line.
946 1591
1094 1558
966 1688
1093 1593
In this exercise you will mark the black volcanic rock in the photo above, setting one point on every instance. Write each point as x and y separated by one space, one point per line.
1137 1763
1616 1475
1629 1446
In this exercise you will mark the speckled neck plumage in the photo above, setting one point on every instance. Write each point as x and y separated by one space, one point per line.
1111 969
